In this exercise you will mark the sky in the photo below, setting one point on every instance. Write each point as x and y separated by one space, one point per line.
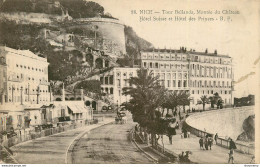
239 39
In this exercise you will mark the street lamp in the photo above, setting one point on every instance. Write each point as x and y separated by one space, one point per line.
21 95
28 92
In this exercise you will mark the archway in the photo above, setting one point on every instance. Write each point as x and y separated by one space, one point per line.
79 98
94 105
99 63
89 59
87 103
72 98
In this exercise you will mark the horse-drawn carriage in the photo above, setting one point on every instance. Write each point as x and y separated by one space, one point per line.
120 118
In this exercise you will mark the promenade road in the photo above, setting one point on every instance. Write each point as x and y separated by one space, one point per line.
50 149
218 155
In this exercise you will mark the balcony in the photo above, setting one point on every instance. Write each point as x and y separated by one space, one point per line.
15 79
44 83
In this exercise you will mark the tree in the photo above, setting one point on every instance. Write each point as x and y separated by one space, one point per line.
216 99
183 99
147 95
93 86
204 100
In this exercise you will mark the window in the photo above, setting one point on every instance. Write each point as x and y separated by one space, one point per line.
111 79
125 82
184 83
179 83
111 90
106 80
173 83
151 65
144 64
168 83
192 91
156 65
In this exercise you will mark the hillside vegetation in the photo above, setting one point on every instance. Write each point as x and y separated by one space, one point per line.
30 36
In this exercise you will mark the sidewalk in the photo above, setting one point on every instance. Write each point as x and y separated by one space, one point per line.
218 155
50 149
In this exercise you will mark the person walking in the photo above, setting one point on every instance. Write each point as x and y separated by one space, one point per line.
231 156
206 143
210 142
232 144
201 143
216 138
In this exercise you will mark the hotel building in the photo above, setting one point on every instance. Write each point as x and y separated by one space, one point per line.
199 73
25 77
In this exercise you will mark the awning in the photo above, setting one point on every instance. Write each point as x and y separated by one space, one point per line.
75 109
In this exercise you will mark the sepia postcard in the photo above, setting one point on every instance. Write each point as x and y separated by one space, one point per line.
129 82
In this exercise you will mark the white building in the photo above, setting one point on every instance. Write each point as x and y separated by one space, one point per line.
113 82
24 89
26 77
198 73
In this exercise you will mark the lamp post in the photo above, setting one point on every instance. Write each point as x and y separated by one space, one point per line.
38 94
13 93
21 95
28 92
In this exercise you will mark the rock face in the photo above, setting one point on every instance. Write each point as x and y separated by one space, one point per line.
249 129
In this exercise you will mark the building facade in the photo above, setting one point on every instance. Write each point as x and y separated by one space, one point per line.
24 90
113 82
25 77
199 73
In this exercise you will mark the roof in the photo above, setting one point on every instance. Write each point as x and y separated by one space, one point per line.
76 108
181 51
26 53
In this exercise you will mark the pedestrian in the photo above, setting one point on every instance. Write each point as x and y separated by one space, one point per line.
177 125
182 135
231 156
206 143
216 138
188 134
232 144
210 142
201 143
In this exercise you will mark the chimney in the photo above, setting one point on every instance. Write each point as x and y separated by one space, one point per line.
216 52
206 51
63 92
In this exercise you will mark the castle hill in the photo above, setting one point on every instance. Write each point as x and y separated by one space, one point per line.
99 82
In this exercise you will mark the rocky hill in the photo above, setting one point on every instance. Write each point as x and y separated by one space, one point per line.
46 38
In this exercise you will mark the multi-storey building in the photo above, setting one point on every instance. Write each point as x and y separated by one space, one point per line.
26 76
24 89
113 82
199 73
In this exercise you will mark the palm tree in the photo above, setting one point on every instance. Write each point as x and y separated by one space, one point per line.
183 99
204 100
147 95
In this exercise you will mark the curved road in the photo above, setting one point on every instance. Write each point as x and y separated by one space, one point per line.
107 145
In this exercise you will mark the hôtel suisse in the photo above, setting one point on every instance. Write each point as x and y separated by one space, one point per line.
199 73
